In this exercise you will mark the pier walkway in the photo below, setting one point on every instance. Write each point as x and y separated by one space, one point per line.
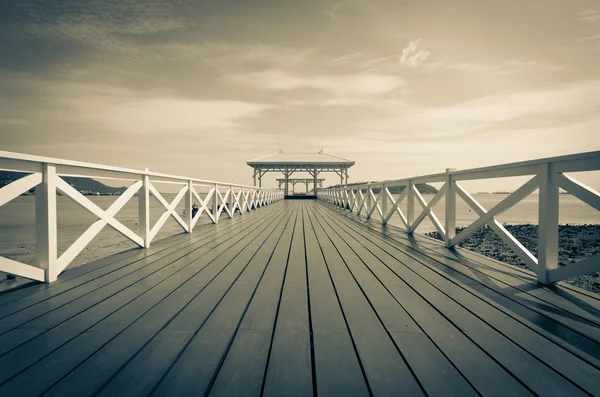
296 299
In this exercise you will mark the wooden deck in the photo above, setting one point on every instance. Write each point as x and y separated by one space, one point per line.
298 298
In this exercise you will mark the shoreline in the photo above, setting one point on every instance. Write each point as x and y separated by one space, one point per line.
576 242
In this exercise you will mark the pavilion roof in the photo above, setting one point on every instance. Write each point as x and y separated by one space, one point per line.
301 158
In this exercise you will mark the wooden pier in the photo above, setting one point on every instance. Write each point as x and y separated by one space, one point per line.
297 299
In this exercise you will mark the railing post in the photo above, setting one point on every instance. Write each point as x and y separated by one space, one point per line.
369 201
231 201
346 198
547 224
45 221
188 206
384 203
360 201
410 206
242 202
215 204
144 209
450 208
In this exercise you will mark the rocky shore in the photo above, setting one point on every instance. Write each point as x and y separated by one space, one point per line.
576 242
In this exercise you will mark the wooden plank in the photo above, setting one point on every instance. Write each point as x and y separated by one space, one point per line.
243 370
435 372
546 293
84 273
286 377
192 370
336 365
574 342
104 320
578 302
112 280
7 297
100 266
502 274
563 362
385 369
56 316
499 277
581 299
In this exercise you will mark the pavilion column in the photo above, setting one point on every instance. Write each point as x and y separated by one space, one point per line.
255 177
315 180
306 185
286 181
260 174
346 175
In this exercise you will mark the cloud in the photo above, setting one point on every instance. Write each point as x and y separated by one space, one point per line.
8 122
231 55
114 27
591 15
366 84
134 112
595 37
413 55
164 115
333 9
500 68
542 108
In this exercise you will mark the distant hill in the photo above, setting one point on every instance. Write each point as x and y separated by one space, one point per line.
86 186
422 187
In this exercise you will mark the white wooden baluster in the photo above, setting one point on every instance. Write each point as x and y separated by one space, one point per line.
410 206
189 199
215 205
547 224
369 202
347 199
243 203
144 209
45 219
450 221
231 202
361 201
384 203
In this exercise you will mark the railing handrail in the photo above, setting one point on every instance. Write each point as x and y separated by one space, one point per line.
548 177
520 168
46 177
33 159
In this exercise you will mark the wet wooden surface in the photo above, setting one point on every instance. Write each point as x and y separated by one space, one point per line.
298 298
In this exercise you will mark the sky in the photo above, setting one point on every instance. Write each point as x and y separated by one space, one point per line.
402 87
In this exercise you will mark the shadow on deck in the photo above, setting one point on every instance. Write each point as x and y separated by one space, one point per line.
297 299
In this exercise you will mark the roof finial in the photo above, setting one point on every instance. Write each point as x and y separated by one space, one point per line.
280 151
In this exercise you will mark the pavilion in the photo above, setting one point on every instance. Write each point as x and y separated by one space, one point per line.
290 163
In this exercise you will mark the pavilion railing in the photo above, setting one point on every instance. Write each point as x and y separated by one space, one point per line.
46 176
547 176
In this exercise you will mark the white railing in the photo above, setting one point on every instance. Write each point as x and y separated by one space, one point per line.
548 175
45 176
